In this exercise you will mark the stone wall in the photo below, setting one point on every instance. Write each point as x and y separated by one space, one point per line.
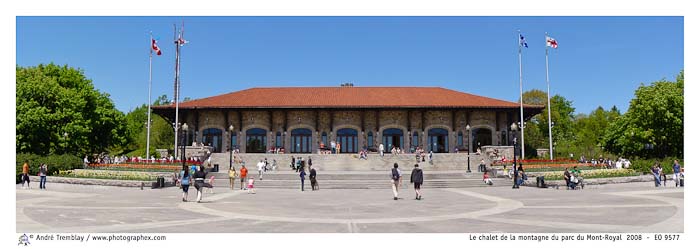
364 121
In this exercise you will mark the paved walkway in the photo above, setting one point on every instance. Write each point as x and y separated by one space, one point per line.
632 207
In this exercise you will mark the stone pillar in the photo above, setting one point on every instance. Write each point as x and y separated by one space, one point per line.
407 141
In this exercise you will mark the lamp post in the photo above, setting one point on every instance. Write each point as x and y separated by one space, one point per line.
230 148
469 143
514 128
183 137
65 142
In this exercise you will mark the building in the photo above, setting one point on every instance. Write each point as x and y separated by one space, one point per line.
301 119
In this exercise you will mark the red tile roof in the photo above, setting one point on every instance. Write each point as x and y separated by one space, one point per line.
347 97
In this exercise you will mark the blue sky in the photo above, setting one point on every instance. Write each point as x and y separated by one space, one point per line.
600 60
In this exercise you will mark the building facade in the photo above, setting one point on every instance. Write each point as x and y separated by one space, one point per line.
303 119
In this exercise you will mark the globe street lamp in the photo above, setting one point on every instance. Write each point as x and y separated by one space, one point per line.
65 142
230 148
183 136
469 143
514 128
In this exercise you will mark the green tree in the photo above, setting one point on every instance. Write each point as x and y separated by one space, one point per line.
59 111
161 132
536 130
590 129
653 125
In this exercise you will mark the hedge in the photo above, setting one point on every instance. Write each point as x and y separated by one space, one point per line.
644 165
54 163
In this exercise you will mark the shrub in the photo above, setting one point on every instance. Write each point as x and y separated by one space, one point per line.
644 165
54 163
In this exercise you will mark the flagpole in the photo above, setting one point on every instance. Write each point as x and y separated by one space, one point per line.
549 104
176 98
150 81
522 121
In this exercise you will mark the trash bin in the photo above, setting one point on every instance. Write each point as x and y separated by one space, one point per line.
216 168
540 182
161 182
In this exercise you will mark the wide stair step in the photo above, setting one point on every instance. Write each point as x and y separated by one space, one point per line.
361 180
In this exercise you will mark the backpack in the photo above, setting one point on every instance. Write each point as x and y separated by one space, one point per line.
395 174
185 180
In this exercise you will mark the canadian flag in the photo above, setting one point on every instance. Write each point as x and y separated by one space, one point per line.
154 46
551 42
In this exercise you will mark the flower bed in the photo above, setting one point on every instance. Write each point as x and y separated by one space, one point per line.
113 175
136 167
597 173
544 165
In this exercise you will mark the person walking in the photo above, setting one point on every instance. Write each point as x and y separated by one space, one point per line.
337 147
42 176
25 174
251 185
312 177
332 146
417 180
244 174
261 169
199 184
676 172
655 172
302 174
430 158
395 180
232 176
185 183
381 149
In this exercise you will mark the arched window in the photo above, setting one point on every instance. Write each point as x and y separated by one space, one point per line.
460 140
438 140
414 142
301 141
256 140
212 137
370 139
392 138
278 139
348 140
324 139
234 140
481 137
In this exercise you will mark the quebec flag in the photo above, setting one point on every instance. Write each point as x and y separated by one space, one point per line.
523 43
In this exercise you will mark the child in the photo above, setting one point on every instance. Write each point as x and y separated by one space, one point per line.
251 189
487 180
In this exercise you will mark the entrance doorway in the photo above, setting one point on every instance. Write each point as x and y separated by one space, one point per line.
212 137
482 137
392 138
301 141
437 140
256 140
348 140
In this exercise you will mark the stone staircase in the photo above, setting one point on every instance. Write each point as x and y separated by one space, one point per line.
351 162
289 179
347 171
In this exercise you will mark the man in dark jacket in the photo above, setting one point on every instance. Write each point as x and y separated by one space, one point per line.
417 180
312 177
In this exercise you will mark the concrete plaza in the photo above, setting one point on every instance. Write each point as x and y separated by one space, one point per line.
630 207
